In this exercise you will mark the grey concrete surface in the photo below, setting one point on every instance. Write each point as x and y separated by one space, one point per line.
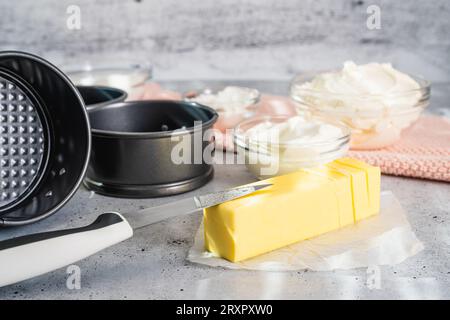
230 39
153 265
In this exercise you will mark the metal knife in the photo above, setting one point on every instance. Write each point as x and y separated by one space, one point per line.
33 255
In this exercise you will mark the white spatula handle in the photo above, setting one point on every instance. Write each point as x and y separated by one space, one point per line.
32 255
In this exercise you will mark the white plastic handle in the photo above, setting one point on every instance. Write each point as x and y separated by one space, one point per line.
29 256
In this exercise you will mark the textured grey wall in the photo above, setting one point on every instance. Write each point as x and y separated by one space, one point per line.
235 39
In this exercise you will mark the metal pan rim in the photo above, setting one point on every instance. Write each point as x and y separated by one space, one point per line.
145 191
153 135
123 96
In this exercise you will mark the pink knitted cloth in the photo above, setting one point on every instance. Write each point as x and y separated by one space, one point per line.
422 152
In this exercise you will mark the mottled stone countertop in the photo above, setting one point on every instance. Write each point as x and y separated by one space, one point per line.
152 265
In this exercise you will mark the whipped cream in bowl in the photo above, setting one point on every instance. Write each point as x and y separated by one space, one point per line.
375 100
276 145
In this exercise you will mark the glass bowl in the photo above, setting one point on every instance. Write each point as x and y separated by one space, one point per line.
267 156
129 76
229 115
376 121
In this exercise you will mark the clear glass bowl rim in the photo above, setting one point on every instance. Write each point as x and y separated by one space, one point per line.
299 79
88 66
239 135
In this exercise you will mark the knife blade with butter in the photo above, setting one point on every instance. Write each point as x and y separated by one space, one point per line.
33 255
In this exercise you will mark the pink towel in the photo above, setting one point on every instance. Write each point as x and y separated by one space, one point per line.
153 91
422 152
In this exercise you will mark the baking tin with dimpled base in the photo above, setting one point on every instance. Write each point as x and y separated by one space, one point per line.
132 145
44 139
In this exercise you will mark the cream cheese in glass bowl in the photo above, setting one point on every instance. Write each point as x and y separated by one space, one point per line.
375 100
275 145
233 103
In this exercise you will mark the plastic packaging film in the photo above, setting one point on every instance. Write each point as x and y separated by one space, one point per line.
385 239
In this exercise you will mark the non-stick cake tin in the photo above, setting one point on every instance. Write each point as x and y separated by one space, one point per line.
133 144
44 138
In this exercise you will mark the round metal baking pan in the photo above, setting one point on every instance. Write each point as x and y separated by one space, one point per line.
132 144
44 138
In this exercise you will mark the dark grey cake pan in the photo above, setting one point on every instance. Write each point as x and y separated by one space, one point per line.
132 144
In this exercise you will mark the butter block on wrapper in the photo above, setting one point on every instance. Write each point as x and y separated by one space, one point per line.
297 206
